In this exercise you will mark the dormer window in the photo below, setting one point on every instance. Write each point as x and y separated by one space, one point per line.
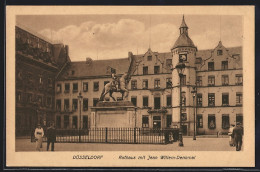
219 52
149 58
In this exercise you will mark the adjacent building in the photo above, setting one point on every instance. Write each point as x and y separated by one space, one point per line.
37 62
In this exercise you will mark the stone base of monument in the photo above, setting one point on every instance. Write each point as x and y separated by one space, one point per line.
119 114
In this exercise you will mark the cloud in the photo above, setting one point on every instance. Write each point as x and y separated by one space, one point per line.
113 40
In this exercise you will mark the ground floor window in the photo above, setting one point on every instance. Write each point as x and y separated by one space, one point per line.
66 121
199 121
157 122
145 122
225 121
168 120
239 118
58 122
211 121
85 121
75 122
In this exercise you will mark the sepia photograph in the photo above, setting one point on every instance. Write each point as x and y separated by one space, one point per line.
134 87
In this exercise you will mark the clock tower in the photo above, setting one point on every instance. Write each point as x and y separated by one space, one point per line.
183 52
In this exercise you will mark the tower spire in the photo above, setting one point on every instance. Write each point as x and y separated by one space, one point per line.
183 28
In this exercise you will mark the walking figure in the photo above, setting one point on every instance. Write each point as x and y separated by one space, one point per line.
38 133
51 136
238 133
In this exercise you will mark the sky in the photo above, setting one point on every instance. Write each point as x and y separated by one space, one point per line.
113 36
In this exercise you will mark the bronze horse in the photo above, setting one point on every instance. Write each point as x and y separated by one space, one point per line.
109 88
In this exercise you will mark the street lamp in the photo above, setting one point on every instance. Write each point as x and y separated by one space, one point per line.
194 92
180 69
79 127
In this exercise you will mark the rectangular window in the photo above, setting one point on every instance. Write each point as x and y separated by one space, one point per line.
199 121
239 118
225 99
157 83
66 121
224 65
75 87
145 121
58 88
211 99
169 100
239 79
134 84
145 84
74 122
85 86
199 80
168 120
239 99
66 104
168 82
145 101
199 100
75 104
211 121
169 63
149 58
210 66
40 100
67 88
85 104
58 104
58 122
219 52
156 69
18 97
49 82
134 100
48 102
183 99
145 70
40 80
183 80
157 103
224 79
225 121
29 98
96 86
95 101
105 82
211 80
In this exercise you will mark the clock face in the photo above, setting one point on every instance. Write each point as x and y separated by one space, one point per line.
183 57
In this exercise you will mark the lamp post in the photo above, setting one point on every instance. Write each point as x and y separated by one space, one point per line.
180 69
194 92
79 127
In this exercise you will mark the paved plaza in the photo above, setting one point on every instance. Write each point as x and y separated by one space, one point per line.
201 144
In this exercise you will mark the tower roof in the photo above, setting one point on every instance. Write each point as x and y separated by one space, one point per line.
184 39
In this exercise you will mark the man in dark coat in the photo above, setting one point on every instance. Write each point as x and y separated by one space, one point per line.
238 133
51 137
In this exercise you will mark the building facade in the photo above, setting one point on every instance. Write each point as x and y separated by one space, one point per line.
37 62
215 74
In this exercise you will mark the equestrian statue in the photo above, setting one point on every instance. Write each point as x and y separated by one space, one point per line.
118 84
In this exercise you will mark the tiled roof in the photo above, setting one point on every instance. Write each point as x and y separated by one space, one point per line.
95 68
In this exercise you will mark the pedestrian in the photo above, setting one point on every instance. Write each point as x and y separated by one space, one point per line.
238 133
51 136
231 136
38 133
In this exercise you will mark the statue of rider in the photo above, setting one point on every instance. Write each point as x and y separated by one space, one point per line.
115 82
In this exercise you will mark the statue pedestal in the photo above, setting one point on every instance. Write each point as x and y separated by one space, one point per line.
120 114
